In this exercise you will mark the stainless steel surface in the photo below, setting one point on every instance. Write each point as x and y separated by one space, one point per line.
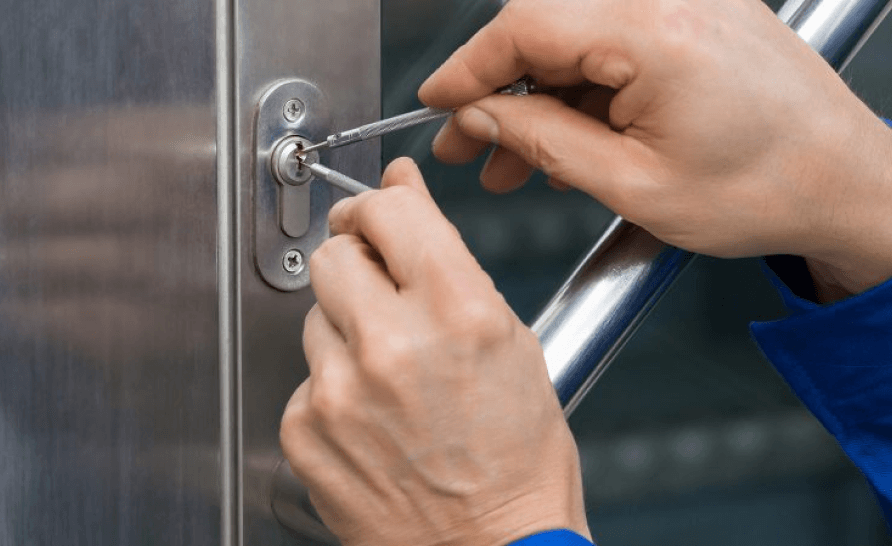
109 358
287 216
383 127
626 272
598 308
287 167
835 28
228 301
335 45
338 180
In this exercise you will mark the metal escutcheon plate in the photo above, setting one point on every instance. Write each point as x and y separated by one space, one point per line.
288 218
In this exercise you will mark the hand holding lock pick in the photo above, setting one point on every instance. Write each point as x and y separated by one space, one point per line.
428 417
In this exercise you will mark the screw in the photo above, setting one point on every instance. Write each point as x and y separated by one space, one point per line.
293 262
294 109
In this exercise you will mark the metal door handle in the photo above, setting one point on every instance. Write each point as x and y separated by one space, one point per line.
627 271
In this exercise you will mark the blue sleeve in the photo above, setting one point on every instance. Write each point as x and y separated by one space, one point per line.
559 537
838 360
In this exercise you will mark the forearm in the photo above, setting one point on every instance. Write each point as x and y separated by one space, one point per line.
855 219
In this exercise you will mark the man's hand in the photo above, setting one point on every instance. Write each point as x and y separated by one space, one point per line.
710 124
428 417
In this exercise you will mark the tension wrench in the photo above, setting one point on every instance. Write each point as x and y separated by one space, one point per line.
338 180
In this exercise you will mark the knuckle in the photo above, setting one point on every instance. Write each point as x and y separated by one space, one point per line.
398 198
339 243
483 323
330 251
382 356
386 207
327 403
541 152
680 29
320 258
294 425
311 323
374 210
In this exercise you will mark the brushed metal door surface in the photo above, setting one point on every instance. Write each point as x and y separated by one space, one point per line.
109 382
334 44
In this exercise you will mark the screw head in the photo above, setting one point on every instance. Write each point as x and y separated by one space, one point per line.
293 261
294 110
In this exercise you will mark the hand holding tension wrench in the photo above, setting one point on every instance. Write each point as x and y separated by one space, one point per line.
521 87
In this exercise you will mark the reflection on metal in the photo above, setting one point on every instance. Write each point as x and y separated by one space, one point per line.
835 28
598 308
108 282
618 282
289 214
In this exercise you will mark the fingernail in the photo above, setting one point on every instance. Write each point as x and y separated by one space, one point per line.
405 160
479 124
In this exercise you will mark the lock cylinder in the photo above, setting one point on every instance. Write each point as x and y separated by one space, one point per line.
287 169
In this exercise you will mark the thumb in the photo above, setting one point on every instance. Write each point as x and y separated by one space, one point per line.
404 171
566 144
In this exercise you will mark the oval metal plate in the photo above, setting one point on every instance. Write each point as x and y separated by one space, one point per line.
305 206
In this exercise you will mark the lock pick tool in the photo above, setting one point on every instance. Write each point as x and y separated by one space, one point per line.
521 87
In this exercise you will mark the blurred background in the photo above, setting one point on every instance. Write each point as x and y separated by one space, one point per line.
691 438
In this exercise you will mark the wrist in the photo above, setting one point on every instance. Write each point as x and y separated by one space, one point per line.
552 499
540 511
848 248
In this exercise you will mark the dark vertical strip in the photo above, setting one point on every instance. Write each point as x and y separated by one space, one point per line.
228 251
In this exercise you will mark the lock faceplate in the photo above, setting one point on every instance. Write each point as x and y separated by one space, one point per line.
289 218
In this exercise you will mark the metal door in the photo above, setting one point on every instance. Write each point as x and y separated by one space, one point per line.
145 362
109 382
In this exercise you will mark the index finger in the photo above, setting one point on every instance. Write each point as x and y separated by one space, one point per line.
418 244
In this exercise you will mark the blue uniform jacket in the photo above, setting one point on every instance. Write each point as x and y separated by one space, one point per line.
838 360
